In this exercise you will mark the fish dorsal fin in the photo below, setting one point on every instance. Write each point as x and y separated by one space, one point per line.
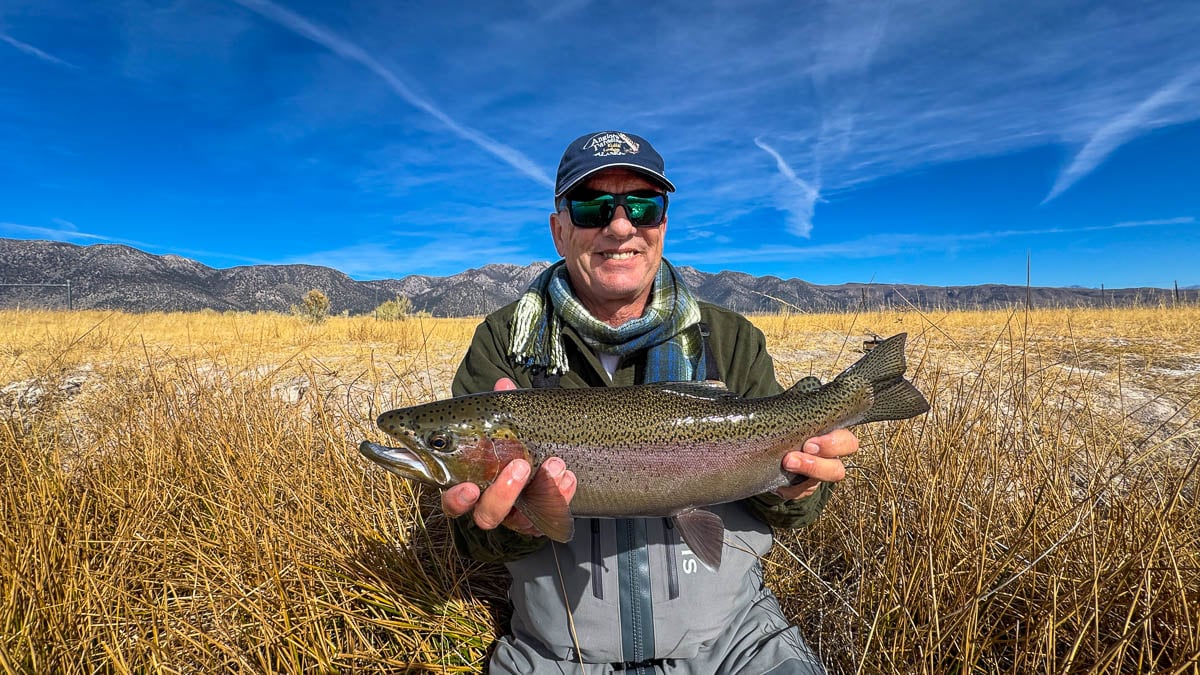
544 506
704 533
708 390
806 385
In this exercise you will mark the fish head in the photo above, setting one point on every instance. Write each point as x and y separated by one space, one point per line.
446 443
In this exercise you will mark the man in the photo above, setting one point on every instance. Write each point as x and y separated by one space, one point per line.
626 594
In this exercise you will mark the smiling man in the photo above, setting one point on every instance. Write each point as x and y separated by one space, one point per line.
626 594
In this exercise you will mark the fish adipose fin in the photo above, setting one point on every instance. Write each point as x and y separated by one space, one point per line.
544 506
895 398
807 385
704 533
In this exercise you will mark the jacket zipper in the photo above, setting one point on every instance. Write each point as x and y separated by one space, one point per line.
597 569
672 564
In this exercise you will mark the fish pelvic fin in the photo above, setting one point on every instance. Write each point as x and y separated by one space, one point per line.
895 398
704 533
544 506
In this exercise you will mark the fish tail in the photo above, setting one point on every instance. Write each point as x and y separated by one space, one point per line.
895 398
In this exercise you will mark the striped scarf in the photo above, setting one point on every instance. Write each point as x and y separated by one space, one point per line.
673 351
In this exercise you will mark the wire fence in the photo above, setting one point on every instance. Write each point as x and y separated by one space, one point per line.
66 285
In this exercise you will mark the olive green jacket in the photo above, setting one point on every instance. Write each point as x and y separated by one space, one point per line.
738 349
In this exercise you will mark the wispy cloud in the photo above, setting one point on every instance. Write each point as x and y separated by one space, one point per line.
69 232
952 81
65 231
1122 129
271 127
799 198
35 52
346 49
389 260
886 245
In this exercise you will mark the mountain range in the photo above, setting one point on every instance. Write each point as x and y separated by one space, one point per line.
36 273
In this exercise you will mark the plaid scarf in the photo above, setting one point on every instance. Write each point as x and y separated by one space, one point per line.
673 351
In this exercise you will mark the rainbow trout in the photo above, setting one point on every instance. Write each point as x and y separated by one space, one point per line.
653 450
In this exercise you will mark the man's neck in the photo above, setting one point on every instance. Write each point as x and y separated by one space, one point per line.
618 314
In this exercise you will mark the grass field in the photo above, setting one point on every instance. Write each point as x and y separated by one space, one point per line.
182 493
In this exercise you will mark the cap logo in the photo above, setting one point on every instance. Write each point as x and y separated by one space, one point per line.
606 145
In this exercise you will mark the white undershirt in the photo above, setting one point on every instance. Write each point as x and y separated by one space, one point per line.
609 361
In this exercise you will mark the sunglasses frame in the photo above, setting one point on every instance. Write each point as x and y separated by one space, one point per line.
618 199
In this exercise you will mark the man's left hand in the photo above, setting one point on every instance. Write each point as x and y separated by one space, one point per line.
819 461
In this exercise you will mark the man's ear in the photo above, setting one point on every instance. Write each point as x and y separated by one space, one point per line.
556 231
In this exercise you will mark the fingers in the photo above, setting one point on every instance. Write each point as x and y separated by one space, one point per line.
504 384
825 469
819 461
460 499
805 489
563 479
494 506
517 522
837 443
497 500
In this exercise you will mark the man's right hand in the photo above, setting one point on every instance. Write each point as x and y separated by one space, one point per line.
494 506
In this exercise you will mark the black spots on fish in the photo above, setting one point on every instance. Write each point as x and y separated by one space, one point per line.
807 385
881 374
883 363
897 400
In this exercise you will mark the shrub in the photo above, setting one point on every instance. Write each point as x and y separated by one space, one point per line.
398 309
314 308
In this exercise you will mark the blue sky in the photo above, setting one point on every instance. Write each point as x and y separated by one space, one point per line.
930 142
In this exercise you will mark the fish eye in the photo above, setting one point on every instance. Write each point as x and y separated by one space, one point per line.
438 441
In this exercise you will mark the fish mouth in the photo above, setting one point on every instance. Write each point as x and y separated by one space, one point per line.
406 463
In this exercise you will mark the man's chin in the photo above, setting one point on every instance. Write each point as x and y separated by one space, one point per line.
615 284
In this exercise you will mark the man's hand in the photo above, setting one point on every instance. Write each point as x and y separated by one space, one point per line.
494 506
820 461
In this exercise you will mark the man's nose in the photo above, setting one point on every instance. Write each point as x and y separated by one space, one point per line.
620 223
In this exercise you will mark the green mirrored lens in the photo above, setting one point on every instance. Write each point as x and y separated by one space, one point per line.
593 212
597 210
643 211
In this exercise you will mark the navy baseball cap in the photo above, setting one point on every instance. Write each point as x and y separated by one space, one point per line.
606 149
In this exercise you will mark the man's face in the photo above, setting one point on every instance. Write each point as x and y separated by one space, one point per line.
612 268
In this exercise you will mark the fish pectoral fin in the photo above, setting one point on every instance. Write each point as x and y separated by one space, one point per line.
704 533
544 506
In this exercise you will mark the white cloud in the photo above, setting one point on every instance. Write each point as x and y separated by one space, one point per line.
352 52
65 231
799 197
886 245
389 261
851 95
35 52
837 94
1124 127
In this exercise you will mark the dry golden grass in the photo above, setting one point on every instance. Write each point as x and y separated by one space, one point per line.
182 493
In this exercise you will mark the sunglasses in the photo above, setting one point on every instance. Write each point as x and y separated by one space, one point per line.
591 209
